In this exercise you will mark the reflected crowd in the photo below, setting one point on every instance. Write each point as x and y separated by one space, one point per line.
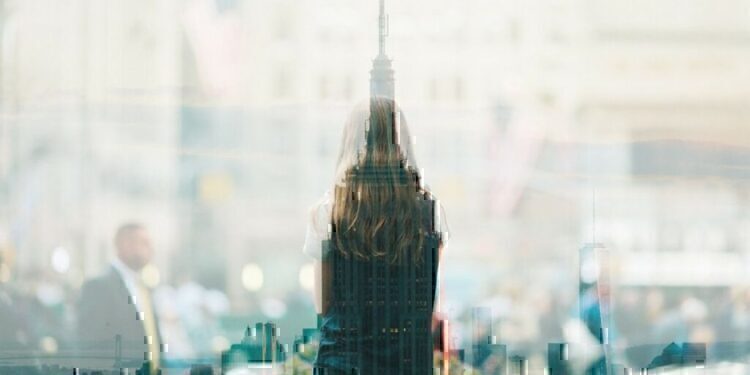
38 314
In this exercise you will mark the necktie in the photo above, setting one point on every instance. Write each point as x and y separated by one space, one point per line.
149 325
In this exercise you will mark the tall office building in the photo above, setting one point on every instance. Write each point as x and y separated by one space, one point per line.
518 365
557 359
381 308
384 310
481 335
260 349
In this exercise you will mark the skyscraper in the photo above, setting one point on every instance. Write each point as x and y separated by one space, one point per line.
481 334
594 300
557 359
260 348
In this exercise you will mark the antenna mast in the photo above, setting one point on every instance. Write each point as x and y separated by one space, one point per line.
381 75
383 24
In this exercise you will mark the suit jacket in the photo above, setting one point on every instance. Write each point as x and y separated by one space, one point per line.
15 333
106 312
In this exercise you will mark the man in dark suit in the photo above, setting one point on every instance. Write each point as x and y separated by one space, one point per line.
116 318
16 334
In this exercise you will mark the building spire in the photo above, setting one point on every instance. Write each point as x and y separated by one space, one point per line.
383 28
381 75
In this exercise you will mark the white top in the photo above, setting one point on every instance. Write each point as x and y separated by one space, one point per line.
319 226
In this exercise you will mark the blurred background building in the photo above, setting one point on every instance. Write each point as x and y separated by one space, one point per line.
539 125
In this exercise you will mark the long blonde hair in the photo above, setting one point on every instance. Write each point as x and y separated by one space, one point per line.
377 205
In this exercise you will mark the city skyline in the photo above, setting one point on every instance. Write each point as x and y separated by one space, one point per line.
217 123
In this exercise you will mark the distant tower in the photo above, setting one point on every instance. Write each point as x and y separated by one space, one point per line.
259 349
481 335
381 75
118 351
558 359
594 301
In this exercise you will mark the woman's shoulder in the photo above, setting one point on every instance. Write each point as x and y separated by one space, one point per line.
322 208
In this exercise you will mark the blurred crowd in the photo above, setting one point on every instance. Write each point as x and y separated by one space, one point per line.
643 320
38 315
